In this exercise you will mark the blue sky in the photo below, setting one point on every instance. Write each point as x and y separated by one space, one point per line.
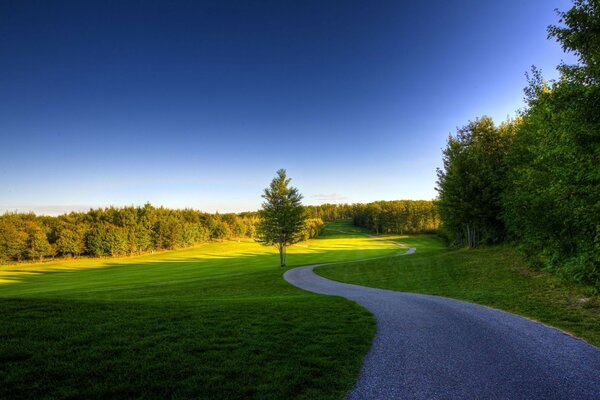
197 104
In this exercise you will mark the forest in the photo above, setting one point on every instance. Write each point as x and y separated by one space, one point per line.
113 231
121 231
396 216
400 216
535 180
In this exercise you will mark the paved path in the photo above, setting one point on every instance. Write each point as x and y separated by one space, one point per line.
430 347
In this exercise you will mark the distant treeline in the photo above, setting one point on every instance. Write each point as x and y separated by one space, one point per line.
331 212
535 180
120 231
399 216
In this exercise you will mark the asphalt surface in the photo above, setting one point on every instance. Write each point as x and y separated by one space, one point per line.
430 347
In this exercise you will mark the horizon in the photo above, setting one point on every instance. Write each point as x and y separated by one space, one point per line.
55 212
187 107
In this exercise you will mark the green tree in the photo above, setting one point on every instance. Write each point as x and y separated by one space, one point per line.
282 217
580 34
312 228
398 216
70 239
12 239
36 245
471 182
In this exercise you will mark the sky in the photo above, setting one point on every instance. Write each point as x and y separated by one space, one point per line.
198 103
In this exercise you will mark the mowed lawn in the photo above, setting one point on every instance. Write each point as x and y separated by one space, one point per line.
492 276
213 321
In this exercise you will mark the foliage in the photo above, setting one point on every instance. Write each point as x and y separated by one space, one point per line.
36 245
472 180
12 238
580 34
313 227
69 239
331 212
282 217
539 181
552 207
112 231
399 216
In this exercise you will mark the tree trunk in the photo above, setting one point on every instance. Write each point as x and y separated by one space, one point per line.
469 235
472 235
284 255
281 255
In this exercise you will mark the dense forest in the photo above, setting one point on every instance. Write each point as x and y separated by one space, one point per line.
398 216
121 231
535 180
331 212
401 216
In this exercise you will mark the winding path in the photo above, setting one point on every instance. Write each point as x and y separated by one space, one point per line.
430 347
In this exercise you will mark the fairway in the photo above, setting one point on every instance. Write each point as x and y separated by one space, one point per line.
213 321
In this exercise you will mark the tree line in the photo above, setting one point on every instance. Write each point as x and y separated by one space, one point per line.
535 180
331 212
397 216
121 231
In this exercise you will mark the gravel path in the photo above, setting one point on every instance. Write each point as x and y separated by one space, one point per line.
430 347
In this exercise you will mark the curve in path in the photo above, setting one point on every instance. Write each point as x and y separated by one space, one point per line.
431 347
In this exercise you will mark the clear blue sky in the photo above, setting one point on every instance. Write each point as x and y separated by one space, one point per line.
197 104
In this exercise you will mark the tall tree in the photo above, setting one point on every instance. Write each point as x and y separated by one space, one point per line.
282 217
471 183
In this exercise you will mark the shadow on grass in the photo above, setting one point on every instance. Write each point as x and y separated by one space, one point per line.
90 349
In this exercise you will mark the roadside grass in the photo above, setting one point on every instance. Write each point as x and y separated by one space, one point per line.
495 276
214 321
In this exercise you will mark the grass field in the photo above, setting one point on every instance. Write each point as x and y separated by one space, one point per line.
493 276
218 320
214 321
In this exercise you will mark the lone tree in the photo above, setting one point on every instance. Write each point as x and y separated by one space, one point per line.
282 217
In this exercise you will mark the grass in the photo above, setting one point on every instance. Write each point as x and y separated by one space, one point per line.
218 320
493 276
214 321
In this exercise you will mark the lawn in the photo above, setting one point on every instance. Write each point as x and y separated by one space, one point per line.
493 276
213 321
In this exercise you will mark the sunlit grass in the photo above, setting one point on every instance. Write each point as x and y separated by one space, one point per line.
201 262
213 321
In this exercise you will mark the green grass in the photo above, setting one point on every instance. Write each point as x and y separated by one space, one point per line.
214 321
218 320
493 276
